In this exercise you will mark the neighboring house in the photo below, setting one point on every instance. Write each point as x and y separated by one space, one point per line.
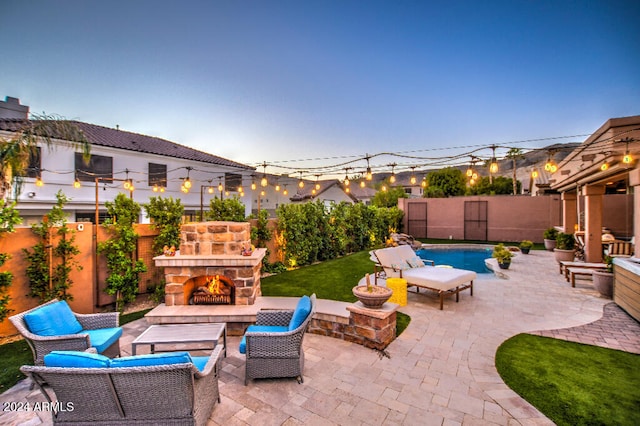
328 191
156 167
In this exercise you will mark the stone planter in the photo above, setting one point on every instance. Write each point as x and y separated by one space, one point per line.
603 282
373 299
564 255
549 244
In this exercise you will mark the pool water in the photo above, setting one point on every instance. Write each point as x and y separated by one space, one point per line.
471 259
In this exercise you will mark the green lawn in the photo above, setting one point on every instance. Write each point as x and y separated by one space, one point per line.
572 383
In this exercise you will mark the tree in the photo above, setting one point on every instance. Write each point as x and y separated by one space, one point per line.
389 197
166 216
500 186
447 182
47 281
16 151
9 218
514 154
230 209
119 249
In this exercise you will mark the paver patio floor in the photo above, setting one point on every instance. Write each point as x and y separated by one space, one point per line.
440 371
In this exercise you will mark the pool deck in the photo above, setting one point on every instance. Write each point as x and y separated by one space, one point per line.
440 371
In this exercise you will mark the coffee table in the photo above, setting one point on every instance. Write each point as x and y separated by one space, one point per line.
181 333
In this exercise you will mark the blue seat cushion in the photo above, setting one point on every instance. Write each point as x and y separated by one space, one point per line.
162 358
55 319
200 362
102 338
301 313
76 359
261 328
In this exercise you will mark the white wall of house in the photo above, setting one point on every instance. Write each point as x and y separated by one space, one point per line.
58 173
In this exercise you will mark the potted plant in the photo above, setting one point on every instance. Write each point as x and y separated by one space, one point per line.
603 278
525 246
372 296
503 255
565 247
550 238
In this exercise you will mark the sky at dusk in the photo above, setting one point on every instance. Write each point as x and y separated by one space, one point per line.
282 81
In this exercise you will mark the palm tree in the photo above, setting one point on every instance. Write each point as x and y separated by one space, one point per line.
16 150
514 154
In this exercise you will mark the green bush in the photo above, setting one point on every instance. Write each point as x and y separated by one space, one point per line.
230 209
550 234
312 232
565 241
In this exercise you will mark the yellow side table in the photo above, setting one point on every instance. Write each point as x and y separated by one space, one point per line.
399 287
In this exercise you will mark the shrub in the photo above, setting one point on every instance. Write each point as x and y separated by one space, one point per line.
565 241
550 234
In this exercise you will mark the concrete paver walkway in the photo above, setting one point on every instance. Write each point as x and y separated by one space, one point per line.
440 371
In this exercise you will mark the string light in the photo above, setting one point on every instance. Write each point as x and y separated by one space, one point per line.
76 183
604 166
210 189
413 179
39 182
493 167
534 174
392 179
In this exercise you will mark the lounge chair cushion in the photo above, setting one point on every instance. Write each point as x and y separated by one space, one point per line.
438 278
55 319
76 359
163 358
260 329
301 313
102 338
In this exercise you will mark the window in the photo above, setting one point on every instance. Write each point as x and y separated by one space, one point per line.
232 181
34 169
99 167
158 175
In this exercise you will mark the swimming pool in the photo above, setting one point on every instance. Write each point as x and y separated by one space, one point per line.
463 257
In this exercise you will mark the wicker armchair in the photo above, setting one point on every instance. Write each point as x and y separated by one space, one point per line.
272 354
42 345
149 395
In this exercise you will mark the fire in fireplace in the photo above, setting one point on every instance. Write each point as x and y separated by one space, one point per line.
216 290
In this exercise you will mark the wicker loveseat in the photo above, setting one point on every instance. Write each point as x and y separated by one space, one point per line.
53 326
164 388
273 345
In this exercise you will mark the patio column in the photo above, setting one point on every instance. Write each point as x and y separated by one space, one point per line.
634 181
593 222
569 211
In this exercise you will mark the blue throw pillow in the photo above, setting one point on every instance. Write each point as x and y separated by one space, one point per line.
76 359
163 358
301 313
55 319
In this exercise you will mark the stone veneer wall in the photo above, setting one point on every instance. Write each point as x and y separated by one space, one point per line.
214 238
373 328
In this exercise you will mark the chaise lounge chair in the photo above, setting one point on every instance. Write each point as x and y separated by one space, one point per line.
402 262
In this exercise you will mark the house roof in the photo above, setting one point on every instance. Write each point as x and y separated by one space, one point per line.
307 192
120 139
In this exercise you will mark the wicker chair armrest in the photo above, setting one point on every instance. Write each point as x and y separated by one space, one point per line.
212 364
274 317
96 321
274 344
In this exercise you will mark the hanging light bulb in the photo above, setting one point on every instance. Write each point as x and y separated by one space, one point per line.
469 172
474 176
313 191
534 174
362 184
76 183
187 183
347 190
127 184
184 189
155 187
277 188
392 178
384 188
554 168
604 167
39 182
240 189
424 182
346 181
300 184
263 193
368 174
220 187
210 190
493 166
627 159
285 191
131 186
253 186
264 182
413 179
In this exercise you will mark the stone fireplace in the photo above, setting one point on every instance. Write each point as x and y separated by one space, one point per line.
211 253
